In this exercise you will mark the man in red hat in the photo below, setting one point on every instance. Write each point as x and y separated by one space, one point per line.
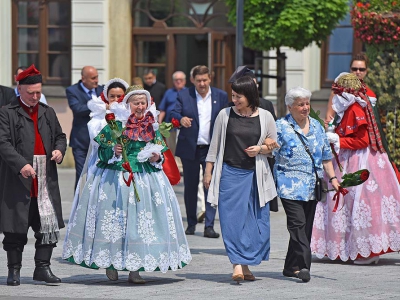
31 143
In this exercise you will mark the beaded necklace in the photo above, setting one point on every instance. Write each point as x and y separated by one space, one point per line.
246 116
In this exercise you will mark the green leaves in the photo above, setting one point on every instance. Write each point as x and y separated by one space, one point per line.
270 24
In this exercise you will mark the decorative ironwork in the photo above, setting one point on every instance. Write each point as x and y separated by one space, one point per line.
198 13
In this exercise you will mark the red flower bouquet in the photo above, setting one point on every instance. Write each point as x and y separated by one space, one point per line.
348 180
117 136
165 127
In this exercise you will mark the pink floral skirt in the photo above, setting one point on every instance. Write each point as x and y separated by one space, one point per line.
367 221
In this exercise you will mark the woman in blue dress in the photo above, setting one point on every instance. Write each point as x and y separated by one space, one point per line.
241 183
128 216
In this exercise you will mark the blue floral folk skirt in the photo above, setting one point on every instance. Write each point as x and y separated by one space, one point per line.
109 228
245 226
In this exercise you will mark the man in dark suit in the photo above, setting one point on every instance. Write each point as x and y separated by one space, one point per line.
7 95
265 104
78 95
155 88
197 108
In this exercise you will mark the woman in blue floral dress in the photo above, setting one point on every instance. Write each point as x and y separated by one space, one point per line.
129 220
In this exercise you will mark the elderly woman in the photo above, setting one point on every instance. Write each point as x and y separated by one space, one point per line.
295 177
241 183
128 217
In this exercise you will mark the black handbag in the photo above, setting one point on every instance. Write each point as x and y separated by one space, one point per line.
321 186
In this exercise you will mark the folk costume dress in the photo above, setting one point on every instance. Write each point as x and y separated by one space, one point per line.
367 221
113 227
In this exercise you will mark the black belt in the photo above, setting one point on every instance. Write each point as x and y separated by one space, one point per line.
202 146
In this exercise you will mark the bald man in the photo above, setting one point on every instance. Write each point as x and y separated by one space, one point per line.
78 95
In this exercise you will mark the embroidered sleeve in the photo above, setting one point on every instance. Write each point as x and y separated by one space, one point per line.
353 130
159 140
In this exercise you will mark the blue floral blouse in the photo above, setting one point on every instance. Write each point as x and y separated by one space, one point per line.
293 170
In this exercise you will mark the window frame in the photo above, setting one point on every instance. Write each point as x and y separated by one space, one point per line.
43 51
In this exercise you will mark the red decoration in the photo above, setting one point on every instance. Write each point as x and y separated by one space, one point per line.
336 198
170 168
376 28
364 175
31 71
103 98
110 117
175 123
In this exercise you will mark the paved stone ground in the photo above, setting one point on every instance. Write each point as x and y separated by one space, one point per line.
208 276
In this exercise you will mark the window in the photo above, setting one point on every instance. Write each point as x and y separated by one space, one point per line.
337 52
42 36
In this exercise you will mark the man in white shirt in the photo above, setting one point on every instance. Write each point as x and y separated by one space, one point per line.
197 108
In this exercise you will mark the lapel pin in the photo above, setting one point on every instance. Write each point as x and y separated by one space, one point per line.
215 101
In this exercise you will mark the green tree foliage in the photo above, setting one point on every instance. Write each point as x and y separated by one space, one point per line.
270 24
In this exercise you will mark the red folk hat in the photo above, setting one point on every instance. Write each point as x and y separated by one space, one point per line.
29 76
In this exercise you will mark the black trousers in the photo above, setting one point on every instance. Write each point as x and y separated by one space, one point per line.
300 219
79 158
17 241
191 170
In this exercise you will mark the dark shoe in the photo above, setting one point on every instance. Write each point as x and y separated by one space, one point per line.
210 233
42 262
44 273
288 273
190 230
13 276
201 216
14 258
304 275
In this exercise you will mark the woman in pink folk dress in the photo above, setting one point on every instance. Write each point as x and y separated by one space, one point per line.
367 221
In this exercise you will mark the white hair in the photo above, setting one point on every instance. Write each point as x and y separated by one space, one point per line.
296 93
178 72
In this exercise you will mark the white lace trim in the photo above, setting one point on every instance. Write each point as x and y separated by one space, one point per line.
129 260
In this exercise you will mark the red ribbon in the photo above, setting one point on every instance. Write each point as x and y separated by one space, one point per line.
127 167
336 198
336 158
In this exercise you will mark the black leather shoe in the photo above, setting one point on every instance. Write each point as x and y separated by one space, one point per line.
210 233
304 275
44 274
288 273
190 230
13 276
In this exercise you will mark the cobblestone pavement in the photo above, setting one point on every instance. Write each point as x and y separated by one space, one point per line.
208 276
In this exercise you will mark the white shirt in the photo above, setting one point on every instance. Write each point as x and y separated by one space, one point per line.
204 109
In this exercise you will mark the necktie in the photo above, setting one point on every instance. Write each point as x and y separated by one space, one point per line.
90 94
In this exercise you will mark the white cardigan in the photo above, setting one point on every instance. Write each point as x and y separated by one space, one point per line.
265 181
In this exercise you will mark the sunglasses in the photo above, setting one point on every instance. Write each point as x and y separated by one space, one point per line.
358 69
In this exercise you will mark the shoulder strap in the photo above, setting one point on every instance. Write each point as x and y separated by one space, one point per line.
307 150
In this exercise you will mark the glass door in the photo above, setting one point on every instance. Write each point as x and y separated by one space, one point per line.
150 52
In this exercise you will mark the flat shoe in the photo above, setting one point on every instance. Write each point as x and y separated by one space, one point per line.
249 277
112 274
135 278
367 261
304 275
288 273
237 277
